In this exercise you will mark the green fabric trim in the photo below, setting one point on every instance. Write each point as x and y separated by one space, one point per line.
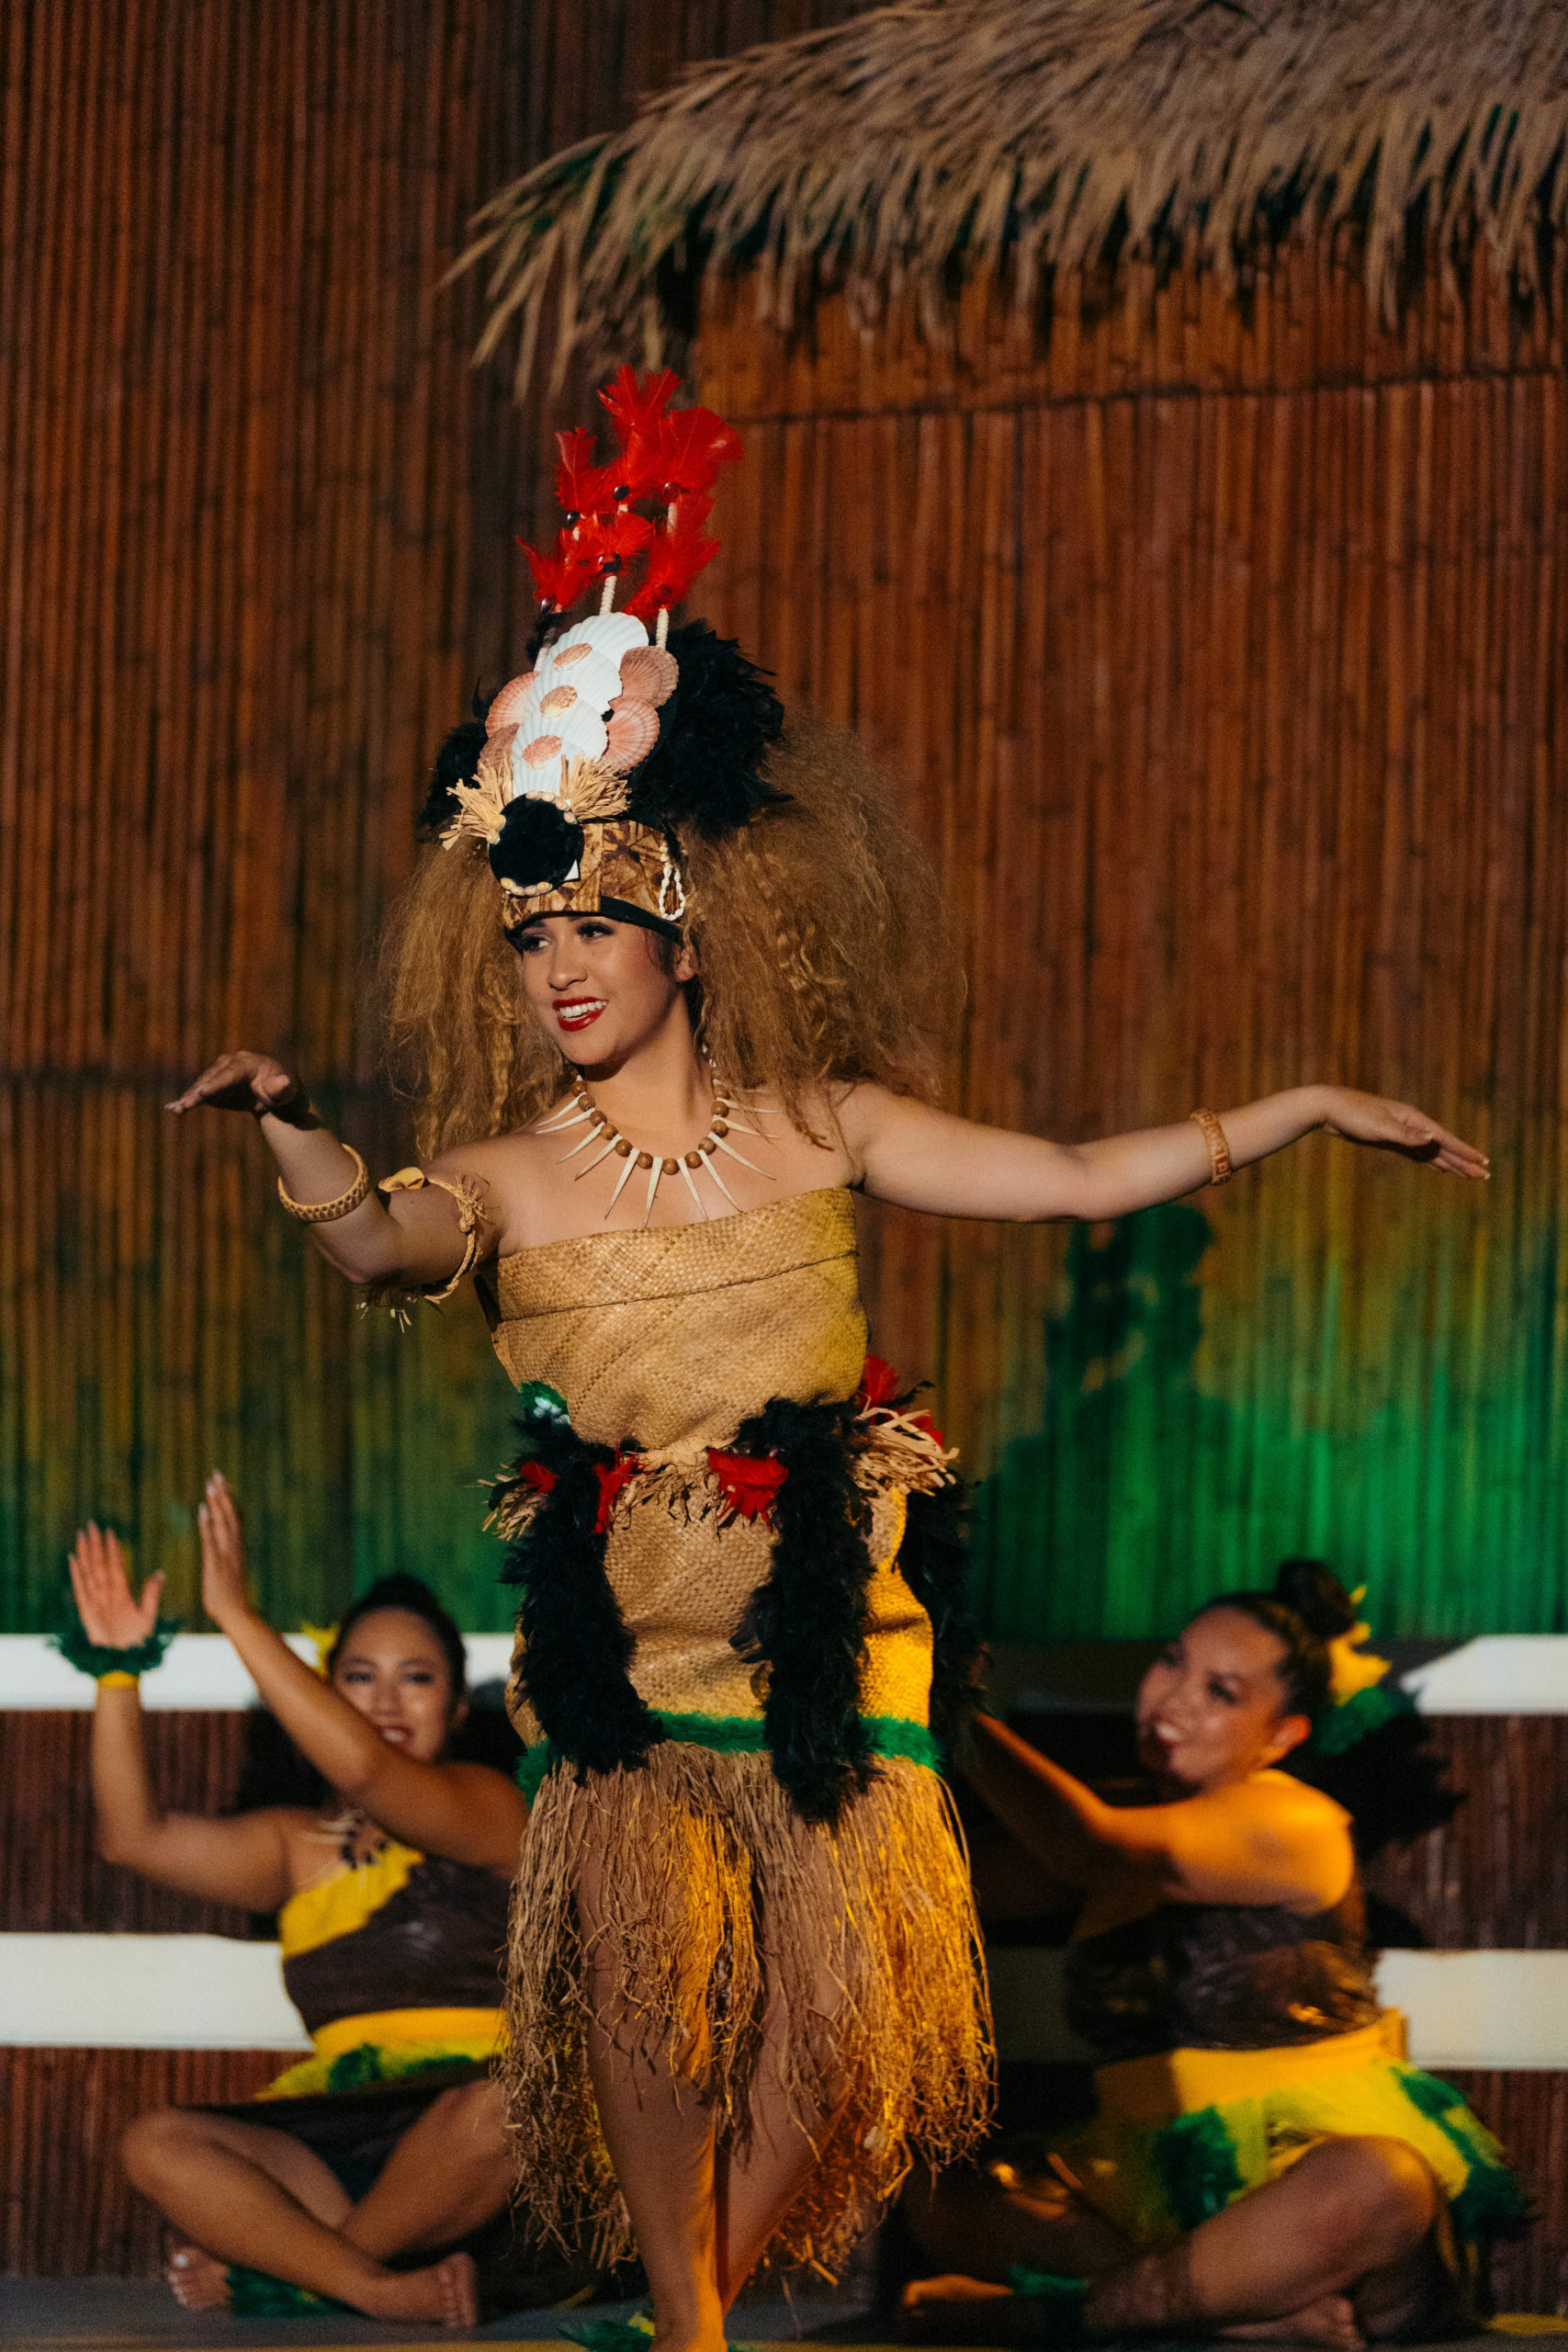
252 2294
1196 2159
1341 1727
368 2062
743 1736
1061 2302
633 2335
1490 2203
90 1658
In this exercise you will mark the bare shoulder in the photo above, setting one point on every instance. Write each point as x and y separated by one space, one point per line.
509 1171
863 1110
870 1117
1288 1813
491 1157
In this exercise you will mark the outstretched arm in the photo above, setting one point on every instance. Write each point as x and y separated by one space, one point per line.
1265 1840
466 1812
920 1159
416 1240
242 1861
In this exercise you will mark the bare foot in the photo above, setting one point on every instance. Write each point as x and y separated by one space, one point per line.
956 2309
198 2283
1331 2320
446 2290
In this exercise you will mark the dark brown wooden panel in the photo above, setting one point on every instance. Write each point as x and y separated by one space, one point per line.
52 1880
1497 1878
1529 2114
69 2211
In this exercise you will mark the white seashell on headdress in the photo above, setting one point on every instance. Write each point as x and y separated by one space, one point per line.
562 718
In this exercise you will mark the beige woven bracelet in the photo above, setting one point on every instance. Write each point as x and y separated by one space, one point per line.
327 1212
1213 1136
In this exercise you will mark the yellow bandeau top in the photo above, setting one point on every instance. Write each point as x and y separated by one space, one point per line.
672 1334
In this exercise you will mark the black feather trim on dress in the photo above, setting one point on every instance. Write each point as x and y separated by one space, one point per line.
457 762
576 1646
933 1561
808 1619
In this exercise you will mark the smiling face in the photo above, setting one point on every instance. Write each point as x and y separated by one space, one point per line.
392 1668
600 989
1213 1708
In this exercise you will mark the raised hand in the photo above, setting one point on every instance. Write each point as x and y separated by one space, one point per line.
247 1081
1397 1127
223 1593
110 1618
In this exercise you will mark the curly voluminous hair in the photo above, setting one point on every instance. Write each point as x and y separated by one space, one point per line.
822 947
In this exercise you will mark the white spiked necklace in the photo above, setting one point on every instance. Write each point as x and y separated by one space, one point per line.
582 1110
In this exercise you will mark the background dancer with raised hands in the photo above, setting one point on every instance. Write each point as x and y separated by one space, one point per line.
366 2173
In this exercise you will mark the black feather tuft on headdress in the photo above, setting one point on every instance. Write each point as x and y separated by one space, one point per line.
537 844
456 763
712 734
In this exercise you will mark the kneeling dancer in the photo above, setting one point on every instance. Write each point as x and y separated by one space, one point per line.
1262 2161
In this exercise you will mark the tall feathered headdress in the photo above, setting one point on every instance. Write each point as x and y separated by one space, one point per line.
624 733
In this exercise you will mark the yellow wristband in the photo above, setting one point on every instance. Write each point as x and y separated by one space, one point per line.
117 1681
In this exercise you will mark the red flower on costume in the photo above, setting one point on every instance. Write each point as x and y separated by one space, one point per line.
878 1385
750 1481
610 1480
534 1474
924 1421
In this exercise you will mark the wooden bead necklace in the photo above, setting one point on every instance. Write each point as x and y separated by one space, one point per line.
583 1111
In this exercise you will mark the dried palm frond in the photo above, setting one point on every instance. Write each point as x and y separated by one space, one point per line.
935 135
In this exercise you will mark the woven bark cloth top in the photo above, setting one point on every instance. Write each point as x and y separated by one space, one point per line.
671 1336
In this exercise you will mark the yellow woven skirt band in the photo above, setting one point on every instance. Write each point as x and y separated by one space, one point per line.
1152 2090
393 2029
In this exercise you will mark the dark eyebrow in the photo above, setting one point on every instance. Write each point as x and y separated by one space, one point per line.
363 1657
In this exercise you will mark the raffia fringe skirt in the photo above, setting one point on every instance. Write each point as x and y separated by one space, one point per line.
678 1904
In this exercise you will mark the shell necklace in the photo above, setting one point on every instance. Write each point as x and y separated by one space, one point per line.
583 1111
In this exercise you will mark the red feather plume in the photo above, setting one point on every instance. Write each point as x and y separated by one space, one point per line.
693 445
673 457
637 408
608 545
582 487
681 549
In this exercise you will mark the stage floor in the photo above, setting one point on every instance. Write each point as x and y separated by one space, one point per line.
139 2316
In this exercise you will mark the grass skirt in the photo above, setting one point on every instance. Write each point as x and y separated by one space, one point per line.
673 1903
1155 2179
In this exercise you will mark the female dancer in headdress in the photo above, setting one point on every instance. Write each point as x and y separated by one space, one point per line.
673 989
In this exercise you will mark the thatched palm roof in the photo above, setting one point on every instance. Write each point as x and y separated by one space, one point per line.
974 134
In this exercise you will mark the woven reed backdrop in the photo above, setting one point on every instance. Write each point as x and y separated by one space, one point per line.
1218 647
256 517
1221 649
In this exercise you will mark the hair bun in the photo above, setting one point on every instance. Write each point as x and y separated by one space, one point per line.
1316 1593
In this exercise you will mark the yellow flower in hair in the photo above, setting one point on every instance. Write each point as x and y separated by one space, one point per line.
1350 1669
323 1636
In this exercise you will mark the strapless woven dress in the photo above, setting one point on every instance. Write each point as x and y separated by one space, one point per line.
740 1585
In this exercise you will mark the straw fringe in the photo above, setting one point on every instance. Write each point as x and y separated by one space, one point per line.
715 1894
1045 134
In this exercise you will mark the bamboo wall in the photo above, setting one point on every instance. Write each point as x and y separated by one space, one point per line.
1221 649
256 518
1218 644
